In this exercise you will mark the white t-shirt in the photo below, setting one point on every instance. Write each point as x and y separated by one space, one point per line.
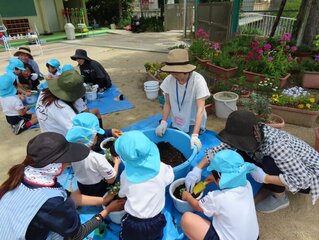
146 199
55 75
93 169
196 88
233 212
11 105
55 118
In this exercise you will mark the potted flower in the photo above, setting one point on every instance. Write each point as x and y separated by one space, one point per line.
310 70
153 71
200 48
222 64
260 106
263 59
296 106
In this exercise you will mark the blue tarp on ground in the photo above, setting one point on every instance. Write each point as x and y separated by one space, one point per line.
172 230
109 102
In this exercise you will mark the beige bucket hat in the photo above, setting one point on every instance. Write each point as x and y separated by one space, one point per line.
178 61
24 49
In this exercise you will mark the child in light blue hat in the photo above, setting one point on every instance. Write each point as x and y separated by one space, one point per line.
17 114
94 173
232 207
54 70
143 183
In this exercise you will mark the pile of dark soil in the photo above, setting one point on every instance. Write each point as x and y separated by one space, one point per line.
170 155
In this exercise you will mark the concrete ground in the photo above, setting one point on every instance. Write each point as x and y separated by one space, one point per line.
123 54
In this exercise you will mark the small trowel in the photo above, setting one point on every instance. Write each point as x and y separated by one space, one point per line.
199 187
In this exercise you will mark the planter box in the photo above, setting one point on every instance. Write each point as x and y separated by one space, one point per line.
202 62
296 116
222 73
277 121
257 77
316 130
310 79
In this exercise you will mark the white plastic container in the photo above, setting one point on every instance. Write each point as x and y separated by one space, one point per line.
151 94
225 103
69 31
180 205
91 96
151 85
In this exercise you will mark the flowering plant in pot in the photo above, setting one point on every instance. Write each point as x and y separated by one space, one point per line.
154 72
260 106
310 68
200 47
296 106
264 59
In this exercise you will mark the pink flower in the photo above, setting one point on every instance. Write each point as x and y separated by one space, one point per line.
285 38
317 57
254 44
216 46
293 48
267 47
259 50
258 58
270 58
249 56
290 58
287 47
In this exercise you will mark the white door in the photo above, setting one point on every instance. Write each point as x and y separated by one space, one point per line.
51 15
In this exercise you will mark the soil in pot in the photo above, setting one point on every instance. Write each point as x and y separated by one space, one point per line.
178 192
170 155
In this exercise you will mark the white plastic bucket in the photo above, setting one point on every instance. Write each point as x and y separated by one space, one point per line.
151 94
180 205
151 85
225 103
91 96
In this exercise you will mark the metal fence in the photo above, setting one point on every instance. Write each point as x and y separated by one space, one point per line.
263 23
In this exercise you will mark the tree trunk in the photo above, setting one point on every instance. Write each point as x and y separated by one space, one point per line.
281 9
311 29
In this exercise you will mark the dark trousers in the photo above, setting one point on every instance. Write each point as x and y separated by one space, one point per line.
147 229
13 120
269 166
98 189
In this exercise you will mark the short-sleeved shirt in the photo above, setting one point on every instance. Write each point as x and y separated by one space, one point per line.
146 199
93 169
233 212
56 117
184 114
11 105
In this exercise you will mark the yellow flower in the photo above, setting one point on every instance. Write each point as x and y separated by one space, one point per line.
312 100
275 100
308 105
301 106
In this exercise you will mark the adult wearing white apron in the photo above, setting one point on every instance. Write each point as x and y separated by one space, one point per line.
185 93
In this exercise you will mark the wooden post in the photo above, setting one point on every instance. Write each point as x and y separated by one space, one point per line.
281 9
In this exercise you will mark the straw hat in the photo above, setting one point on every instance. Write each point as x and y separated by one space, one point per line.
178 61
24 49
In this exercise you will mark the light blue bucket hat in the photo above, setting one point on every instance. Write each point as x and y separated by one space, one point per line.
6 85
15 63
67 67
84 129
232 167
140 156
54 63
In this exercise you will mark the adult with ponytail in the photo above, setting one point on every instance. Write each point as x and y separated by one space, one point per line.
33 205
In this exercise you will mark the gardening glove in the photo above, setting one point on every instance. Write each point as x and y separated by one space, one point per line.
161 129
195 141
258 174
34 76
192 178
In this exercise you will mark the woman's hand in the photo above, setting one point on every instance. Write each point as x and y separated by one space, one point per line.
116 205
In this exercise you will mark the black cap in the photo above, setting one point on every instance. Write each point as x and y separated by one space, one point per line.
50 147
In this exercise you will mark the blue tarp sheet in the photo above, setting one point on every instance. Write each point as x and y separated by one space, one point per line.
172 230
109 102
